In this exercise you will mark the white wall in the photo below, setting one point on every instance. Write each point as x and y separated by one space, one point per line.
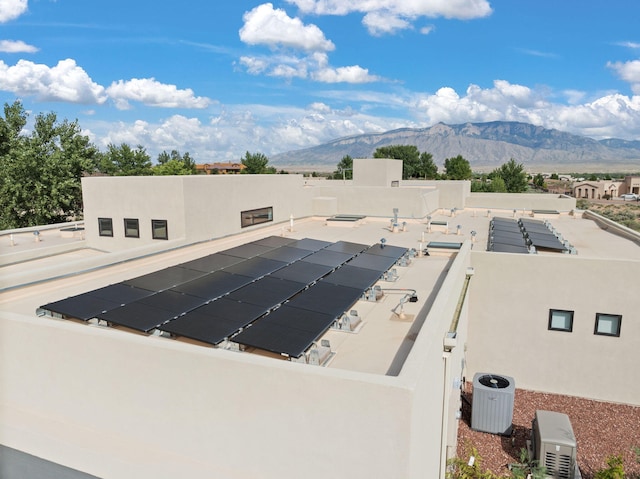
510 201
511 296
453 193
376 171
196 208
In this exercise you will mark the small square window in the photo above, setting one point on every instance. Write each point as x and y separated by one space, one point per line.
105 226
159 229
131 228
560 320
608 324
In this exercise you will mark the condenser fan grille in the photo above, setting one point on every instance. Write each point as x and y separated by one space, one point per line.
493 381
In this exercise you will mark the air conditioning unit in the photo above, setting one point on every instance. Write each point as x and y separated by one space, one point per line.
554 444
492 405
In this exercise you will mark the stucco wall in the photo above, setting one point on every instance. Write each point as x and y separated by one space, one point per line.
123 406
521 201
376 171
511 296
196 208
452 193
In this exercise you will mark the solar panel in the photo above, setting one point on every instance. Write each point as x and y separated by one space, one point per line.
255 267
173 301
83 306
286 254
164 278
374 261
287 330
310 244
120 293
326 298
212 262
387 250
213 285
302 272
328 258
215 321
347 247
247 251
138 316
273 241
354 277
268 291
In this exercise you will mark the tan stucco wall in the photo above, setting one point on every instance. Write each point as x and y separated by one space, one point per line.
508 327
521 201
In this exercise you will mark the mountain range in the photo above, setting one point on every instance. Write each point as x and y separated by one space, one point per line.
485 145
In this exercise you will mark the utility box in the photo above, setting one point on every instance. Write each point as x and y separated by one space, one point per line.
554 444
492 405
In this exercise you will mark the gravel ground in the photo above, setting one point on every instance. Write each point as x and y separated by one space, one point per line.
601 430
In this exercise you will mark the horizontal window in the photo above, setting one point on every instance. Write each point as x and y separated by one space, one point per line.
257 216
560 320
159 229
608 324
131 228
105 226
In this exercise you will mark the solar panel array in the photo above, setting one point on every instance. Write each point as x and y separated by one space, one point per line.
519 236
276 294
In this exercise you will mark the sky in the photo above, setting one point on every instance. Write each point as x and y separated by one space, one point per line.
220 78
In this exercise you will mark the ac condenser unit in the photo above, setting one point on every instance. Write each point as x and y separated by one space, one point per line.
492 405
554 444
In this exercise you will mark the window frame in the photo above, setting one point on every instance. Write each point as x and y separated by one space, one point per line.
137 228
247 217
550 325
618 317
155 224
106 232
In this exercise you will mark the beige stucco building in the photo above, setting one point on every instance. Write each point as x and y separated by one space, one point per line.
113 403
596 190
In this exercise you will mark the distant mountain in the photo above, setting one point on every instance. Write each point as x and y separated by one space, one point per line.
485 145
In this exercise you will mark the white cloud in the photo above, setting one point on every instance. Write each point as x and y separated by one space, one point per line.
351 74
629 72
16 46
153 93
400 13
379 23
64 82
265 25
10 9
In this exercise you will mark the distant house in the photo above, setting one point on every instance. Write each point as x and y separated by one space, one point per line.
228 168
595 190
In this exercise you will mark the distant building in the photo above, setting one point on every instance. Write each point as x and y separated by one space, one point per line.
228 168
595 190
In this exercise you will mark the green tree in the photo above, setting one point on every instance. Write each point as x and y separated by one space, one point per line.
174 164
124 161
513 175
538 181
457 168
344 169
498 185
614 469
256 164
554 176
427 168
40 173
409 154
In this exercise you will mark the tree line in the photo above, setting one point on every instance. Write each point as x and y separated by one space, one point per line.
40 170
508 178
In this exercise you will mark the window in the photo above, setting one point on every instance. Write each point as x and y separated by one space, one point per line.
105 226
131 228
255 217
560 320
159 229
608 324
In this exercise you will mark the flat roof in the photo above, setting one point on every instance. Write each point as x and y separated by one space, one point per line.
389 325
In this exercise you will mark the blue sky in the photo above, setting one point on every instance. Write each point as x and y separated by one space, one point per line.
218 78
